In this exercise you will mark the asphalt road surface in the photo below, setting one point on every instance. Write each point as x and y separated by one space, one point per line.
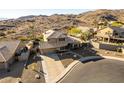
101 71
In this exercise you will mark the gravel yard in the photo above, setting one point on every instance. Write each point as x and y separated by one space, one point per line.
67 58
85 52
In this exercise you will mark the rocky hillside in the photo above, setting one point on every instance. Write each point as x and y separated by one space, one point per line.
110 15
41 23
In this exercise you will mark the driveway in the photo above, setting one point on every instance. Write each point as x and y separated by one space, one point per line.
52 66
100 71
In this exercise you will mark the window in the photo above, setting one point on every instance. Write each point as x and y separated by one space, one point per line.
122 33
61 39
116 34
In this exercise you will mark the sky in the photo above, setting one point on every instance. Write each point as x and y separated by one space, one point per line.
15 13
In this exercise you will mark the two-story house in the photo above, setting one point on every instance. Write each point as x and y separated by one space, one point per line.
111 34
56 40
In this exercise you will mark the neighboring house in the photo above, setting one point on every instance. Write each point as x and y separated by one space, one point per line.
109 38
7 53
56 40
111 34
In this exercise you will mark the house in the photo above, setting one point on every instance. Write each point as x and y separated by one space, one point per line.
57 40
111 34
109 38
7 53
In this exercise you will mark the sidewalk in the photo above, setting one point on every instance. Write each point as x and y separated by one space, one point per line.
52 66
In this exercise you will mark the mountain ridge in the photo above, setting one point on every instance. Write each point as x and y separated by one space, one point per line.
61 21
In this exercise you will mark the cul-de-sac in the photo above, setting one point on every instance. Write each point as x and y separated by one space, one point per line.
85 46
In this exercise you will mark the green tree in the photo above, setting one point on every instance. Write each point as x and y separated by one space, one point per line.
32 30
86 35
74 31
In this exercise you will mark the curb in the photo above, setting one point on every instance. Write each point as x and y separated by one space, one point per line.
110 57
65 72
72 65
45 71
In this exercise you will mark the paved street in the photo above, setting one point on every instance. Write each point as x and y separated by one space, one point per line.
101 71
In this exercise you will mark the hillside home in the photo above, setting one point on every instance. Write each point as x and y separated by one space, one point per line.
111 34
109 38
57 40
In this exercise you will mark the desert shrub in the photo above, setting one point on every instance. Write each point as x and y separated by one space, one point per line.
2 34
117 24
86 35
23 38
74 31
9 32
40 38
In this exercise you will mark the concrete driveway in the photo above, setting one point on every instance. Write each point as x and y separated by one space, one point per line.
101 71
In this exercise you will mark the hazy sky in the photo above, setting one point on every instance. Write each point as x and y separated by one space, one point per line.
12 13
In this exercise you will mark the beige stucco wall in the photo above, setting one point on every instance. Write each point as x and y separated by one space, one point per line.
104 46
102 33
95 44
123 50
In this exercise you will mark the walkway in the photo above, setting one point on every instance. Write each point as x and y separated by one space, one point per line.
52 66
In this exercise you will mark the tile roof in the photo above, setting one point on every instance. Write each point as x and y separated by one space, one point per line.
54 34
7 49
5 53
57 34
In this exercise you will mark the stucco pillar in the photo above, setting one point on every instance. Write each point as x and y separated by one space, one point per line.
108 40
